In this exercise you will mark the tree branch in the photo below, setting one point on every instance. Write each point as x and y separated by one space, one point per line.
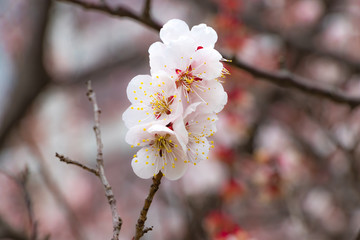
300 42
32 77
283 79
146 14
140 231
119 11
117 222
290 80
6 231
100 172
22 181
67 160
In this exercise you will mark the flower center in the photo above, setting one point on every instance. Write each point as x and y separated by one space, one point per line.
163 143
186 78
161 104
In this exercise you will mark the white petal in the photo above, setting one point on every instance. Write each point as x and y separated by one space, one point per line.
198 149
181 133
191 108
207 64
144 164
177 55
205 36
213 94
173 170
137 114
142 111
160 129
158 57
133 91
173 30
201 123
137 134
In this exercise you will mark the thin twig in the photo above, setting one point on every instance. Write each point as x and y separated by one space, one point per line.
117 222
67 160
100 172
140 231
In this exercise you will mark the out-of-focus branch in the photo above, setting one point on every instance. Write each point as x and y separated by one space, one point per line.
140 231
100 172
119 11
51 185
283 79
290 80
7 232
22 181
104 67
147 10
300 43
31 77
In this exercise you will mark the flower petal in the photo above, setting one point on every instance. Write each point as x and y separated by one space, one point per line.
168 58
198 149
207 64
145 164
174 170
137 114
141 135
181 133
213 94
173 30
133 91
203 35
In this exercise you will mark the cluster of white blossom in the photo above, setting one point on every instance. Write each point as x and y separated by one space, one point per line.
174 109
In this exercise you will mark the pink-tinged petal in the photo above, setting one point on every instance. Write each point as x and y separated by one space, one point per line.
173 30
144 164
205 36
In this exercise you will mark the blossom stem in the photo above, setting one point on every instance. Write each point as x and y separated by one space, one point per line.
140 231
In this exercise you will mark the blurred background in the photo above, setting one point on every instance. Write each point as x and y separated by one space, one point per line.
285 163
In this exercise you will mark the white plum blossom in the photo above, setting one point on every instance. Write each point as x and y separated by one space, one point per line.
152 98
195 69
174 110
163 149
199 125
176 29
